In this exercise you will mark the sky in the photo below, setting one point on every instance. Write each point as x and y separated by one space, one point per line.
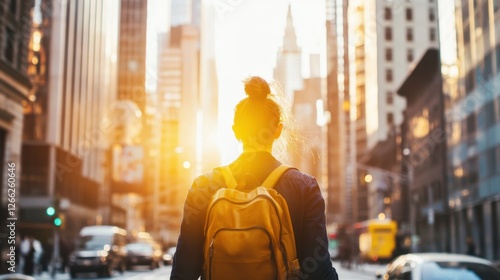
248 35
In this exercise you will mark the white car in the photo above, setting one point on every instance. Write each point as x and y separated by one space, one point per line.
439 266
168 257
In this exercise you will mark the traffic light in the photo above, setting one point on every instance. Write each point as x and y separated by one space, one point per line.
56 217
50 211
57 222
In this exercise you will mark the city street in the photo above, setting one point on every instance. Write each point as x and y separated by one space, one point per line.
138 273
362 272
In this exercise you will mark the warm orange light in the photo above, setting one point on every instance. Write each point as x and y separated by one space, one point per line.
186 164
368 178
459 172
381 216
37 36
346 106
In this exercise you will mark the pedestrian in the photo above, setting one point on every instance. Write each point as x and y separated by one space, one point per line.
259 120
28 253
471 247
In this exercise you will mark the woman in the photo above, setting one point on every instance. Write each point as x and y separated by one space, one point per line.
258 122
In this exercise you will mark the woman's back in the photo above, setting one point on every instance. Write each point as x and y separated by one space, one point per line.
258 122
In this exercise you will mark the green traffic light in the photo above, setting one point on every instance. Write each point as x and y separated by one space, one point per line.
50 211
57 222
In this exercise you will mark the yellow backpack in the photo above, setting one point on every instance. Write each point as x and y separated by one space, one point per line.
249 235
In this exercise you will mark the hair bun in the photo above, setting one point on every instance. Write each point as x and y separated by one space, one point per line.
257 88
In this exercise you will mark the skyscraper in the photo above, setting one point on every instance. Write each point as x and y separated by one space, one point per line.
389 37
132 53
15 89
68 132
288 71
341 142
472 95
186 12
179 99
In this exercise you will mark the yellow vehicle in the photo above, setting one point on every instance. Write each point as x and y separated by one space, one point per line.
376 239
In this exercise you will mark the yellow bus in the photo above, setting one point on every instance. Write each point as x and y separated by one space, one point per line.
376 239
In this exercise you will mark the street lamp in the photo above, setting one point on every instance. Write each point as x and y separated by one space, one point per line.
368 178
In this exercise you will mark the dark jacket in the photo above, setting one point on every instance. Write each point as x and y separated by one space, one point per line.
305 203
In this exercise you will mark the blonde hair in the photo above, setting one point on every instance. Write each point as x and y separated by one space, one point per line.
257 117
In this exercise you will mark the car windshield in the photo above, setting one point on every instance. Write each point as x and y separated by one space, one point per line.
139 247
458 271
93 242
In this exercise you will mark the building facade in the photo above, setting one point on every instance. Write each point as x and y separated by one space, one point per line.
132 53
179 101
473 115
423 160
389 37
304 109
341 141
15 90
67 133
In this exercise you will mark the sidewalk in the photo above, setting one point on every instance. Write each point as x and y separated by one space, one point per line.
59 276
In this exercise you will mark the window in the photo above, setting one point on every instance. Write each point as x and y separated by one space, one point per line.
432 35
469 82
9 45
390 118
409 14
389 98
388 75
387 13
465 10
432 14
409 55
498 58
467 35
388 34
13 7
388 54
470 123
409 34
488 66
491 162
486 16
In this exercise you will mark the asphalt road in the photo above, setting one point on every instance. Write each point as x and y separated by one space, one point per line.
361 272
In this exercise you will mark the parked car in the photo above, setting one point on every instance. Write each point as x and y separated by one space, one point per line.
168 257
438 266
16 276
99 249
143 253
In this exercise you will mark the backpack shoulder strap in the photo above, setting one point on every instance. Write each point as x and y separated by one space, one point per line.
228 177
275 175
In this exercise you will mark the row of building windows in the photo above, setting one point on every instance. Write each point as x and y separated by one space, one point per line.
481 14
487 116
430 194
389 55
468 174
409 34
465 176
408 14
483 72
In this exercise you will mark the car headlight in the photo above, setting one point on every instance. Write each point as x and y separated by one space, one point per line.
103 253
